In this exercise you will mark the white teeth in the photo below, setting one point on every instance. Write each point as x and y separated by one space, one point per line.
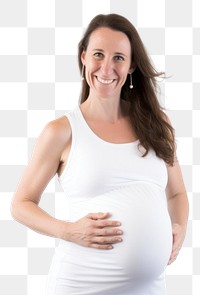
105 81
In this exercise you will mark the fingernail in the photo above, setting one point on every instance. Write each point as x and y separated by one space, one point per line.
118 223
119 232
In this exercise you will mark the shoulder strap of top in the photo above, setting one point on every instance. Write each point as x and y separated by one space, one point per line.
78 132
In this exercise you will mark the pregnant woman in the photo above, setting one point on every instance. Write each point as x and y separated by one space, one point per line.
115 158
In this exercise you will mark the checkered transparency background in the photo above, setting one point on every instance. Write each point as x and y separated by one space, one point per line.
39 81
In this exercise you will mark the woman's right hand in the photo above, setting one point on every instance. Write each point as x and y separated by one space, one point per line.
95 231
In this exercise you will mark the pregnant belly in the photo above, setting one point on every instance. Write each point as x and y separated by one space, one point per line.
147 235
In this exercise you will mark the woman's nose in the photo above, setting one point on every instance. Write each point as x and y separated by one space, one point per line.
107 67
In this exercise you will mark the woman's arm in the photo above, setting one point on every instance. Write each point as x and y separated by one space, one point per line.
41 169
91 230
178 207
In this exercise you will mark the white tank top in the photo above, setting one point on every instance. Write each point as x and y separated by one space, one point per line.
115 178
96 166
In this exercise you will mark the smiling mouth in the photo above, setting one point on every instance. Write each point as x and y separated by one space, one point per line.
103 81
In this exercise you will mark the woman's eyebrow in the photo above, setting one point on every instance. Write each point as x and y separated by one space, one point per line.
101 50
120 53
97 49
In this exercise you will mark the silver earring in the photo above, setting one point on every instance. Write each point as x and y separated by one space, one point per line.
82 72
131 82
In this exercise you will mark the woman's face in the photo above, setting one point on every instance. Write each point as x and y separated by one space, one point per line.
107 62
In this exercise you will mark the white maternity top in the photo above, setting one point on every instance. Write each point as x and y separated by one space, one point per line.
106 177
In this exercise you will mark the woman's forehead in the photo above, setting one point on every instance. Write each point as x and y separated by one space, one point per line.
103 38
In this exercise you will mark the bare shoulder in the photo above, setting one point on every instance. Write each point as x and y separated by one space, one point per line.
46 158
57 130
53 140
59 136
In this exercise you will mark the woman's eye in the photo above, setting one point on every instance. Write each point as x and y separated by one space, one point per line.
119 58
98 54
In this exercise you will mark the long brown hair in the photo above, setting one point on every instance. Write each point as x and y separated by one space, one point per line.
146 115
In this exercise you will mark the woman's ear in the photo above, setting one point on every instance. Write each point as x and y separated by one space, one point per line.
83 57
132 69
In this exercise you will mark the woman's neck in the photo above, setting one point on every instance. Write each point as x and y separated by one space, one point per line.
105 109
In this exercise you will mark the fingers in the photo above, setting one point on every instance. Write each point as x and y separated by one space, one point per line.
107 240
108 232
100 246
177 242
174 254
172 260
104 242
173 257
96 230
104 232
101 219
107 223
99 215
107 236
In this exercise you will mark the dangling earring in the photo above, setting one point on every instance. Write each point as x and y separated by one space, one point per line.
82 72
131 82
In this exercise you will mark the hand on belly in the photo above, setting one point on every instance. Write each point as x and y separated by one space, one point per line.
95 230
147 234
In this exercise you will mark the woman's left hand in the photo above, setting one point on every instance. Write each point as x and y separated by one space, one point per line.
178 238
